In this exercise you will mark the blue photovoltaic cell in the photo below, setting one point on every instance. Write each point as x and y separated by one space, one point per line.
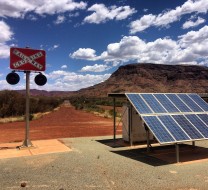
203 117
173 127
178 103
199 101
190 103
201 126
166 103
153 103
186 124
187 127
158 129
139 104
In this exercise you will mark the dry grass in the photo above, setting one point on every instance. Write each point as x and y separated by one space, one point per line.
106 114
22 118
39 115
11 119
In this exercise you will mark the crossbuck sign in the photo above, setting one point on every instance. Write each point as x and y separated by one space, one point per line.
27 59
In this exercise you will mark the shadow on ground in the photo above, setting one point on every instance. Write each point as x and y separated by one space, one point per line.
119 142
158 155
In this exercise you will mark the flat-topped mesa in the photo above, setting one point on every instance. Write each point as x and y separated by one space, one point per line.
148 77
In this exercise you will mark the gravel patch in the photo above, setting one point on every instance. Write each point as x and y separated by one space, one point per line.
94 165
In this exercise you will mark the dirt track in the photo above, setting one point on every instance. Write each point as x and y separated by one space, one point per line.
65 122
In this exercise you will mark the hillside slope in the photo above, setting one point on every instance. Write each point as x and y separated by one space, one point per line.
152 78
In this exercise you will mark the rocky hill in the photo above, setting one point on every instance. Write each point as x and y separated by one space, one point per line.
152 78
35 92
145 78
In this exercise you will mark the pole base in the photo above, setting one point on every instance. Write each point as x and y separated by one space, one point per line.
26 144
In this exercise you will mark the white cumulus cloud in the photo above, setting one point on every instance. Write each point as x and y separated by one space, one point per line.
145 22
187 49
101 13
60 19
64 67
133 48
194 44
5 36
18 8
32 17
74 14
71 81
95 68
54 6
4 50
6 33
55 46
191 24
193 37
170 16
84 53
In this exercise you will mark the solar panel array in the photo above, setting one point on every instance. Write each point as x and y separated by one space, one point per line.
173 118
167 103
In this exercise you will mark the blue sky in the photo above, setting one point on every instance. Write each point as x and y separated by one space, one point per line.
86 41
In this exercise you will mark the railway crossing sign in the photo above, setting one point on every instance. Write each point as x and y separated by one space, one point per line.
26 59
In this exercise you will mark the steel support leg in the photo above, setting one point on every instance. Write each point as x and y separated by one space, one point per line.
114 120
177 153
27 142
148 141
130 127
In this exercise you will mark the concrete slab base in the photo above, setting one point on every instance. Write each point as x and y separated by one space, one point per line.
12 150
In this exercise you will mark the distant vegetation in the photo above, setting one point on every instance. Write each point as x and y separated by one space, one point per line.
13 104
81 102
93 104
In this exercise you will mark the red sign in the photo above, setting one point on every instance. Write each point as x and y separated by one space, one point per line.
26 59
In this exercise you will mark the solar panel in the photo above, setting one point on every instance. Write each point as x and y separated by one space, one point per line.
190 103
172 117
139 103
199 101
198 123
203 117
159 131
153 103
167 104
178 103
192 132
174 128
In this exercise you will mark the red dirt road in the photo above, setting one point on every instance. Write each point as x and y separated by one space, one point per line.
63 123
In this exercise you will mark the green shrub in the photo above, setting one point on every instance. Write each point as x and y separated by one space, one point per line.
12 103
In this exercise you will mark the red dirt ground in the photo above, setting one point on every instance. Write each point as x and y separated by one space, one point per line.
63 123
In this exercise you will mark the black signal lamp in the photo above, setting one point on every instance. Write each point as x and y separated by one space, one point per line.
12 78
40 79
